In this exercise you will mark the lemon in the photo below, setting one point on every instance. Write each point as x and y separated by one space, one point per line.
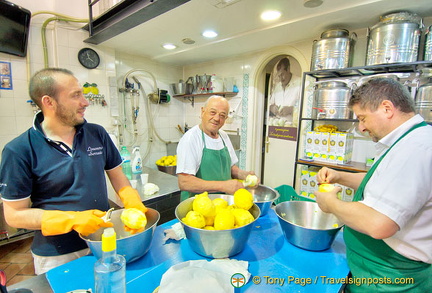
133 218
243 199
203 205
251 180
194 219
224 220
204 194
209 221
209 228
86 88
242 217
325 187
219 204
93 89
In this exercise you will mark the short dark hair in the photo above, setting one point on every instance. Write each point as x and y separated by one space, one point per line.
283 63
370 95
43 83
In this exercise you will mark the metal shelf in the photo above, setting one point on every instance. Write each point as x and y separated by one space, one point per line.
370 70
351 166
418 66
191 97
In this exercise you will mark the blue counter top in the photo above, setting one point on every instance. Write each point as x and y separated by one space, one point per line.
275 265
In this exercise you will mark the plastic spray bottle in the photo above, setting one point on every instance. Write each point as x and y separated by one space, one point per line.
110 269
126 162
137 161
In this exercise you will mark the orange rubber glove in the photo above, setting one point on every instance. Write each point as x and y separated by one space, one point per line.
62 222
131 199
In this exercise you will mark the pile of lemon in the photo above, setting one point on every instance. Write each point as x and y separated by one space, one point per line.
326 128
167 161
216 214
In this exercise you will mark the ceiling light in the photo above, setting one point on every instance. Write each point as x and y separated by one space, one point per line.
270 15
169 46
312 3
210 34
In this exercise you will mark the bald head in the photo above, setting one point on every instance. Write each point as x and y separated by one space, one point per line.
216 100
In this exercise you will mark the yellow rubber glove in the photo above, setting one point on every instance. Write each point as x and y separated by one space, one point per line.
62 222
131 199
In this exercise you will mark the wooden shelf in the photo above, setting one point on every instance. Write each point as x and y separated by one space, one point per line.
191 97
329 119
351 166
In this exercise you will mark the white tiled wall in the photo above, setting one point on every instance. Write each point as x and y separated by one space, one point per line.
64 40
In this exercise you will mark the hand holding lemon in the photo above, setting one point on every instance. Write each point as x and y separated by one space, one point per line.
325 187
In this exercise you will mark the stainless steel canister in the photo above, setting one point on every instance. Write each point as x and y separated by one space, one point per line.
331 100
394 39
423 101
334 50
428 44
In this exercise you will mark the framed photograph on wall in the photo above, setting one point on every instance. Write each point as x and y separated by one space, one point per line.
5 76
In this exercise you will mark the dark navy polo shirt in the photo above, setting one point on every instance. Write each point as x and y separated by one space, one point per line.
59 178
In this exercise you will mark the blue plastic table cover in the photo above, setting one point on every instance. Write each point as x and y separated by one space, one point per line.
275 265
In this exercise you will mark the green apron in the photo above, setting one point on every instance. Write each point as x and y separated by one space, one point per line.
374 260
215 166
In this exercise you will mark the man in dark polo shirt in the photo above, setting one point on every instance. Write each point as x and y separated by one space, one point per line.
52 177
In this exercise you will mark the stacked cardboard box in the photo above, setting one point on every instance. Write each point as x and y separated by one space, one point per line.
309 184
331 147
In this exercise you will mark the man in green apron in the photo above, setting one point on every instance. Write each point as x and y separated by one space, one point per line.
205 156
388 230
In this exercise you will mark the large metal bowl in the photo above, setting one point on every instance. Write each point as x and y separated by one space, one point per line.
132 247
306 226
216 243
264 196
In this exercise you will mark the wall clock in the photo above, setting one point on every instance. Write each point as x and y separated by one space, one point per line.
88 58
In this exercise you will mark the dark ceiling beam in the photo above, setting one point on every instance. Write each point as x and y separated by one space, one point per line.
126 15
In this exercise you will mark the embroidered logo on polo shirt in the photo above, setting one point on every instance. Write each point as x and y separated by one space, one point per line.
94 151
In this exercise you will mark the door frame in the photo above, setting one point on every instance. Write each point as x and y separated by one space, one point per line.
256 120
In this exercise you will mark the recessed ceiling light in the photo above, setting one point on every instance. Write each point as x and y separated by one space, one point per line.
169 46
210 34
270 15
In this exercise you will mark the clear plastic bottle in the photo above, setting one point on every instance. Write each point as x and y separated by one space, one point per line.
137 161
110 269
126 162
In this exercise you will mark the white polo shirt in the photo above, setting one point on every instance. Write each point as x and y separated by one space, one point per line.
401 188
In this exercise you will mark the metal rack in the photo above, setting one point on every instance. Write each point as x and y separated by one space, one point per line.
411 67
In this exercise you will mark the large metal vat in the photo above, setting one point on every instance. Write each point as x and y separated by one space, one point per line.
334 50
423 101
394 39
428 44
331 100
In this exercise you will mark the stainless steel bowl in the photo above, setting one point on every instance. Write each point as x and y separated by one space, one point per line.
264 197
305 225
167 169
216 243
132 247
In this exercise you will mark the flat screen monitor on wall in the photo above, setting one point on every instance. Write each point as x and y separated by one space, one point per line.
14 28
